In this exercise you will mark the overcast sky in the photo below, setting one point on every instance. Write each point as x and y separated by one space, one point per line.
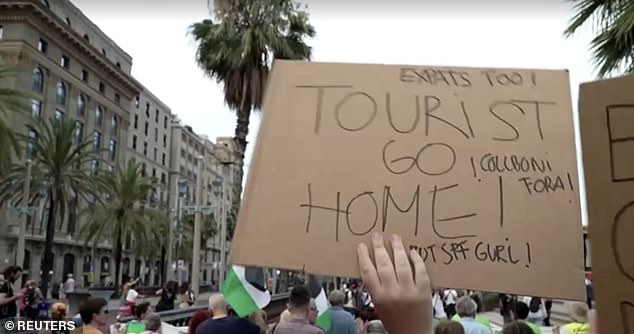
488 33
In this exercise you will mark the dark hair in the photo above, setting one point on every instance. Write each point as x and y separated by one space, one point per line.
90 307
517 327
449 327
140 309
300 296
478 301
522 310
171 286
10 271
197 319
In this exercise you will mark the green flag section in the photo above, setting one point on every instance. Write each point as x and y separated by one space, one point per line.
243 296
317 292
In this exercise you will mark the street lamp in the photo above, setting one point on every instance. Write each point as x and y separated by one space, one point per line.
182 190
197 228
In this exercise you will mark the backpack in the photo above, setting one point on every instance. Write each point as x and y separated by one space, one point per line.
535 304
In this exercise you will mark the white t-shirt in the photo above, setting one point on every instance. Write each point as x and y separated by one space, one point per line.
132 294
438 307
450 296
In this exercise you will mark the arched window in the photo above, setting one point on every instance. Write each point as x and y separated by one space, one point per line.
98 115
81 105
86 37
61 93
38 79
68 21
45 3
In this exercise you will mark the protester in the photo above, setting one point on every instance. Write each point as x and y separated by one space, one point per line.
8 296
537 310
136 326
197 319
375 327
259 318
186 297
402 298
58 313
548 303
579 325
168 297
55 286
299 306
506 309
479 318
517 327
125 309
438 306
94 313
341 321
69 285
132 295
449 327
467 308
30 301
152 324
312 314
449 297
222 323
522 315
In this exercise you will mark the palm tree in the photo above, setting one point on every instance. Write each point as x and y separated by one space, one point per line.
58 157
237 47
12 101
122 216
613 44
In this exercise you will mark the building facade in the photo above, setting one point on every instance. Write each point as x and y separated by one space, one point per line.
74 70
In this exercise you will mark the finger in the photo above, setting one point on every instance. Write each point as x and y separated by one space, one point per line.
368 272
420 271
384 265
401 262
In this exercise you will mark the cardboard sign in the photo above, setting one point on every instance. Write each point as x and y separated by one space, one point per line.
607 137
474 168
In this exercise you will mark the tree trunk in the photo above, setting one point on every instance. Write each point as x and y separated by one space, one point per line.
240 143
47 261
163 271
118 249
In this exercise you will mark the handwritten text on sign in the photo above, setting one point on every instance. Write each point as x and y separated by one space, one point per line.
474 168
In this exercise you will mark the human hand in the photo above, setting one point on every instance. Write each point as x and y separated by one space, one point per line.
555 329
402 299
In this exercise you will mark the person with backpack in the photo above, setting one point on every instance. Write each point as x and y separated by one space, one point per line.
537 310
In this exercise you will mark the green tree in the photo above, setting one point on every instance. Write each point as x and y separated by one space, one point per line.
613 21
12 101
122 215
59 159
236 48
209 230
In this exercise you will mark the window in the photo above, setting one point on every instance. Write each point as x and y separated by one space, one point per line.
98 115
112 149
114 125
61 93
147 109
30 145
36 108
137 102
156 116
94 167
102 87
136 121
84 75
144 148
103 51
1 31
68 21
163 159
165 122
38 80
134 138
96 141
58 114
153 172
86 37
118 64
155 134
110 168
117 99
163 178
65 61
79 132
42 45
155 154
165 141
147 126
81 105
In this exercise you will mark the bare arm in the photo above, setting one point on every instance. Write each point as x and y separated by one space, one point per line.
6 300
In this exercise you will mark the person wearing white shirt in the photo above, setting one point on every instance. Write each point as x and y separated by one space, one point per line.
450 296
536 316
439 307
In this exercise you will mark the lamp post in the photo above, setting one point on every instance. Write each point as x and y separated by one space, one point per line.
197 228
182 190
223 226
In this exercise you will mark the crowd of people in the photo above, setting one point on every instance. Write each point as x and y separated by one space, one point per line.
395 297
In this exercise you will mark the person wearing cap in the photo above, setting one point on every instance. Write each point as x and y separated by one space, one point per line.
342 321
579 314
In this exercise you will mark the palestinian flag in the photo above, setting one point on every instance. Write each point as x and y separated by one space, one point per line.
244 290
319 295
